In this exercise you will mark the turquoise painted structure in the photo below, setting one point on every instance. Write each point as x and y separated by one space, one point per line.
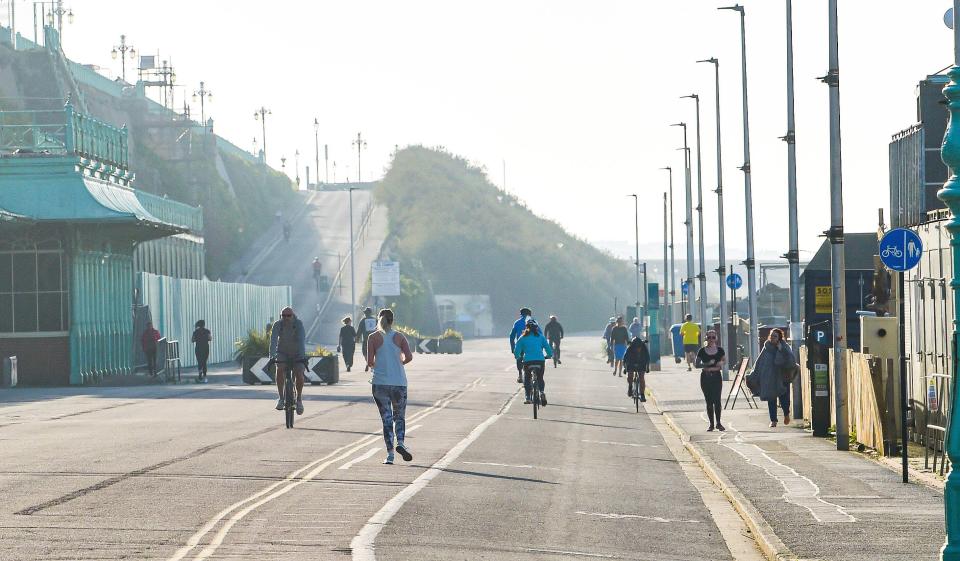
230 310
950 194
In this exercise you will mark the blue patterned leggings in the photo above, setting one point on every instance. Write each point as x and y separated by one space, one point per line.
392 403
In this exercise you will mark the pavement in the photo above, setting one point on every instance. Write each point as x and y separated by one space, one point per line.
320 228
209 472
802 497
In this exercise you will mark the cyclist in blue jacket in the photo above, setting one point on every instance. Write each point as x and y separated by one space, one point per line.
516 333
532 349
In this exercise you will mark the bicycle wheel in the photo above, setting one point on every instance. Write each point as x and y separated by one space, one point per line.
536 402
288 401
636 391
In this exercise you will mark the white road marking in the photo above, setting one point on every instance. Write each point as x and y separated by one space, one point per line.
615 516
371 452
362 543
292 481
622 443
573 553
509 465
608 407
798 490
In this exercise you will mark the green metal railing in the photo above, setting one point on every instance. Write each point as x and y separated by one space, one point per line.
172 212
63 132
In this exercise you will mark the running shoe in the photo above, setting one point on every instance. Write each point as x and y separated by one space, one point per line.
404 453
280 404
299 406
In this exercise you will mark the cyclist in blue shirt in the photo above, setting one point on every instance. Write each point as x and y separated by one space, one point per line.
532 349
516 333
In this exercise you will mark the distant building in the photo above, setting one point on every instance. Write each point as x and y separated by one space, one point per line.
469 314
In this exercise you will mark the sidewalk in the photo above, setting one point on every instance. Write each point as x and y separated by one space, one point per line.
803 498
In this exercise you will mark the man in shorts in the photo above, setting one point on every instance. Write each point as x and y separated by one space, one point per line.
691 340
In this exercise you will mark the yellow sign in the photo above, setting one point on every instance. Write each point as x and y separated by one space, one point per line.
824 299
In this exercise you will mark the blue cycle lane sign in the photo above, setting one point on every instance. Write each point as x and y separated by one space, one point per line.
900 249
734 281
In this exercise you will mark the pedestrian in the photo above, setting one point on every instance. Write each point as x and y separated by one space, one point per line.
775 357
368 324
148 341
387 353
348 341
201 347
691 340
619 337
636 330
636 361
606 337
710 360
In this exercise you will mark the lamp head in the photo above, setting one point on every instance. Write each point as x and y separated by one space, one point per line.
681 124
711 60
668 168
691 96
735 8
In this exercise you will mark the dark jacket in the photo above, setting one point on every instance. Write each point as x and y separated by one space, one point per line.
348 337
768 369
553 330
637 358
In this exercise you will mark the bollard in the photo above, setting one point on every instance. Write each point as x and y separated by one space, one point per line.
9 377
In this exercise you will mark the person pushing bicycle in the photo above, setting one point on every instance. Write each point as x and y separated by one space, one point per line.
288 345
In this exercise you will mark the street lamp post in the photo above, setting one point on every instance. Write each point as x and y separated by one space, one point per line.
793 253
750 262
204 95
670 278
722 266
296 166
316 148
353 278
261 115
691 288
120 51
835 235
666 283
702 277
360 143
950 194
326 165
636 263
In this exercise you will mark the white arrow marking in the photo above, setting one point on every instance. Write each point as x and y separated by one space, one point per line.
259 370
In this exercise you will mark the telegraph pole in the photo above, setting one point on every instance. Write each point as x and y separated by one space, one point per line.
722 268
835 234
793 253
750 261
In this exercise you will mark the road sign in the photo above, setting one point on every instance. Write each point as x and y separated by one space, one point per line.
734 281
684 288
385 278
900 249
428 346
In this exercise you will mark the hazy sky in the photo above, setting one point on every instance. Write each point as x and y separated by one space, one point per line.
575 96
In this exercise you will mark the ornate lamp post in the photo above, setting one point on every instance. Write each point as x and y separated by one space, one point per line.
204 95
360 143
316 148
261 115
950 194
120 51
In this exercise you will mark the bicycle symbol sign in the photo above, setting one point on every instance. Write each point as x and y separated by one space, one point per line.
900 249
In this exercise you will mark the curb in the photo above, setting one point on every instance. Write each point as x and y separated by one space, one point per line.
918 477
771 545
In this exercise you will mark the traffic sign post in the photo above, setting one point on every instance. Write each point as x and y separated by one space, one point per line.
900 250
734 281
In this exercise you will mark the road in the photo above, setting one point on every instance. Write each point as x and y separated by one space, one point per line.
209 472
320 228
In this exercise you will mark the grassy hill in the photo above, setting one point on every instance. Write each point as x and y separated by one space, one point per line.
450 226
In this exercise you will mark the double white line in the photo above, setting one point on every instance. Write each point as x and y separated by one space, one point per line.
237 511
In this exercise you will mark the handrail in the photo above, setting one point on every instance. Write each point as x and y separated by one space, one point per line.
63 132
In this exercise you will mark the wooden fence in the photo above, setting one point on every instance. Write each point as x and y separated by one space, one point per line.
872 397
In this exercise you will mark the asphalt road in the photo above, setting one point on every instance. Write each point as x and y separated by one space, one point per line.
209 472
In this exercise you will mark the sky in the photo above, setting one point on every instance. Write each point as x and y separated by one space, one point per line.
572 99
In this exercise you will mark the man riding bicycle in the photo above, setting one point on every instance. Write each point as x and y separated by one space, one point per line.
554 332
532 350
516 333
288 346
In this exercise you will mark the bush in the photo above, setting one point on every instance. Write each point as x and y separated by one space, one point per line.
320 351
408 331
452 334
256 343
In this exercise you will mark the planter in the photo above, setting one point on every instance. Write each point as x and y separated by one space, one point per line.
328 369
414 343
251 377
451 346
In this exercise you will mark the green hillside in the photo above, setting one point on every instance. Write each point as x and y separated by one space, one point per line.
451 226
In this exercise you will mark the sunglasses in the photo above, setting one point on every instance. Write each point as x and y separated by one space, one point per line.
287 315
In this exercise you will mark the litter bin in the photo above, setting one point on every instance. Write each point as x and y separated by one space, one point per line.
9 377
677 341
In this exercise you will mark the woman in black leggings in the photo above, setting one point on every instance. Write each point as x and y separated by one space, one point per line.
710 358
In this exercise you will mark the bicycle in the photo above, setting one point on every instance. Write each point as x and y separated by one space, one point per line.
289 388
556 352
891 250
636 390
535 373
